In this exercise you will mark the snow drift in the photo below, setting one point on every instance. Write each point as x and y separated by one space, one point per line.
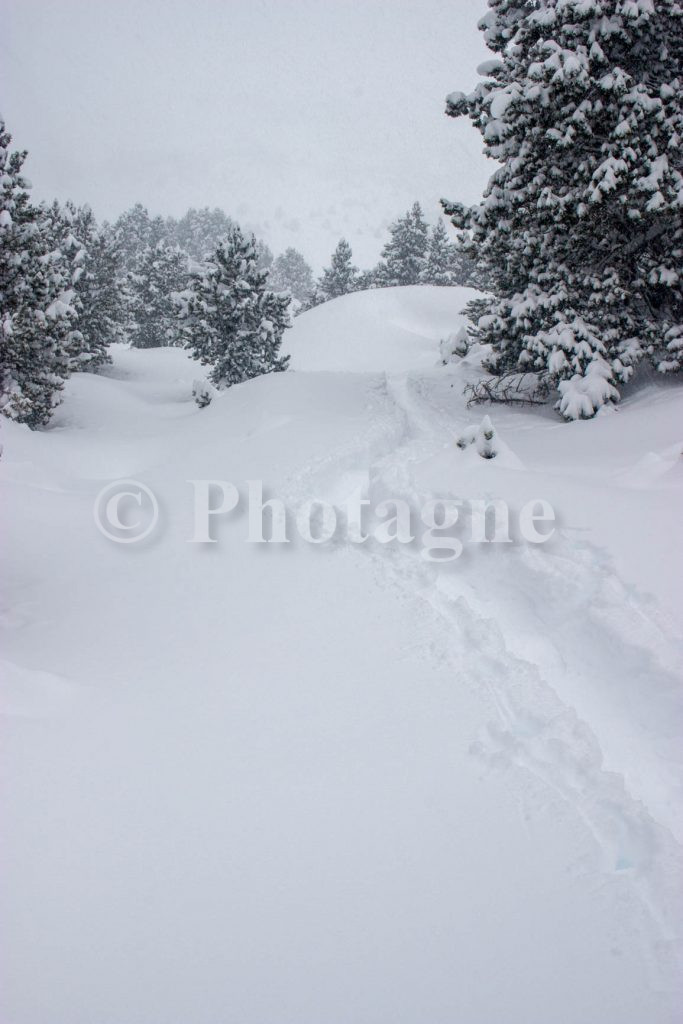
386 330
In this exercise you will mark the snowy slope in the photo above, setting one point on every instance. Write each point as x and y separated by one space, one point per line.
253 783
391 330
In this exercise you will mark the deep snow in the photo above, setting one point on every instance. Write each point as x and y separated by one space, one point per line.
262 784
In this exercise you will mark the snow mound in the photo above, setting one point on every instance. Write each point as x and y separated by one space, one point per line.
387 329
654 468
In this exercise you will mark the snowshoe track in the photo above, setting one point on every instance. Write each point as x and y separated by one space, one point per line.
571 593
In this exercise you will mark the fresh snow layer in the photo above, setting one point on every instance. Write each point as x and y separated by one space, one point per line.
390 330
248 783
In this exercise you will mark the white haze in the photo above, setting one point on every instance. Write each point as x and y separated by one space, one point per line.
306 120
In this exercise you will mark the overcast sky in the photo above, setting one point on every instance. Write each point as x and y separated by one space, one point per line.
304 119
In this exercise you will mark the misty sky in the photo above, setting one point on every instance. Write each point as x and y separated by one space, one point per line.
304 119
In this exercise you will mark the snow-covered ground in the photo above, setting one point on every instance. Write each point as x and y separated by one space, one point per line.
267 783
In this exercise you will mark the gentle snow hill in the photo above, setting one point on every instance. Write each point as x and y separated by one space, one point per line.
251 783
383 330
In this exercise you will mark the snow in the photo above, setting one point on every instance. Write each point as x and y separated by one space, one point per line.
583 394
389 329
455 345
455 98
500 101
488 67
255 783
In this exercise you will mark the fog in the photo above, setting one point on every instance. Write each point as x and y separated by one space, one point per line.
304 120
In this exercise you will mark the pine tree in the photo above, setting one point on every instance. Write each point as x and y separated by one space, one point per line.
264 257
454 346
340 277
366 280
231 321
198 232
136 231
36 309
290 272
404 255
94 277
99 288
464 269
580 234
438 265
160 273
67 254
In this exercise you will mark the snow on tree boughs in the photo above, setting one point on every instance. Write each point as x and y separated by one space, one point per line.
36 300
229 318
290 272
160 272
404 257
580 233
340 278
438 263
92 262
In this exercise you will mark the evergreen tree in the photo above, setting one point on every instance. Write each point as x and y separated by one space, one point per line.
161 272
136 231
67 254
94 276
464 269
231 321
366 280
264 257
290 272
99 288
439 263
404 255
198 232
580 234
340 277
36 309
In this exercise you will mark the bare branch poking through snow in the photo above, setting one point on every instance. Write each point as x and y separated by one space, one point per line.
509 389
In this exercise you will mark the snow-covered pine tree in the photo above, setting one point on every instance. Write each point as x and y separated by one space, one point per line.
340 277
67 254
198 232
404 255
486 439
230 320
94 277
464 268
290 272
160 272
455 346
366 280
99 288
36 310
203 393
580 234
438 264
136 231
264 256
